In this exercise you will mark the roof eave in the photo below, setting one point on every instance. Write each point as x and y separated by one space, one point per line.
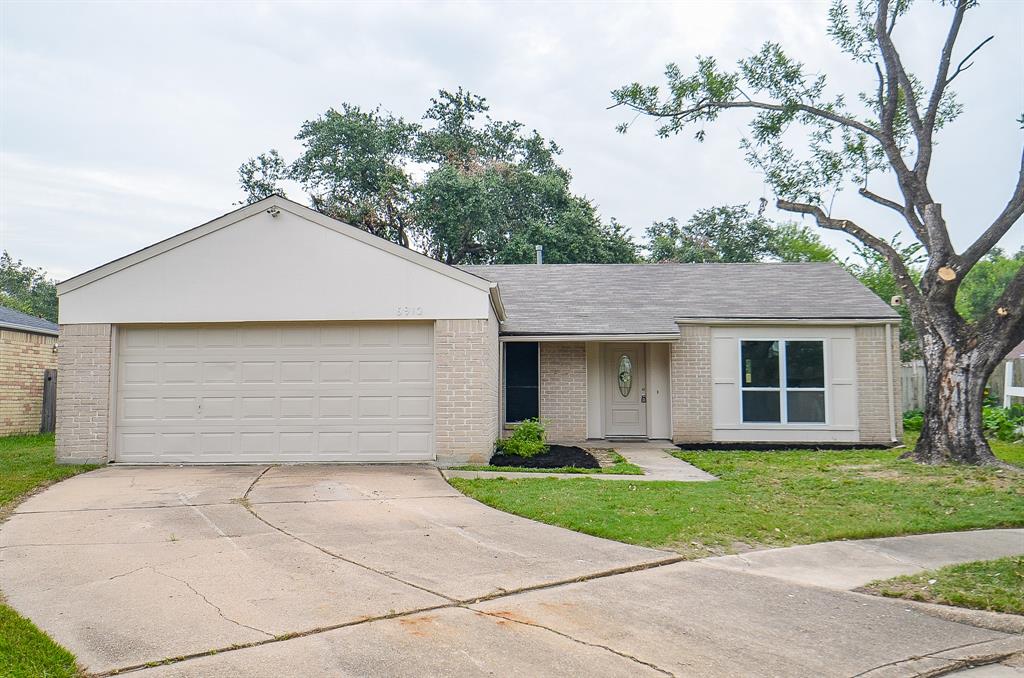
29 329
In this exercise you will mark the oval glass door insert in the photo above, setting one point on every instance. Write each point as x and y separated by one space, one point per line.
625 375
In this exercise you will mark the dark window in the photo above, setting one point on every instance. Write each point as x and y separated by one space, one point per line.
761 406
783 381
805 364
761 363
521 381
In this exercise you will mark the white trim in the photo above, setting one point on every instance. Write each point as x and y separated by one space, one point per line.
623 338
786 321
783 388
889 383
289 206
29 329
112 395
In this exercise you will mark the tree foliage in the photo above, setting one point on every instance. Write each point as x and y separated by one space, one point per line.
728 233
461 186
27 289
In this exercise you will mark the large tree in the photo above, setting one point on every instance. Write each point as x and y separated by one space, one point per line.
463 187
809 141
27 289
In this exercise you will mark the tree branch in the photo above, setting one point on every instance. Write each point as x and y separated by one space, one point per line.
1004 325
704 106
899 267
942 76
906 211
1007 218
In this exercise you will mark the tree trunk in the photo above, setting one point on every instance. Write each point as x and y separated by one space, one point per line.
955 386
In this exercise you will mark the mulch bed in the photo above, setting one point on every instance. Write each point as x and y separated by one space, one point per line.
556 457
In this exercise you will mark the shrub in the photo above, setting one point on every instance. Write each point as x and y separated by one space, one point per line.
1003 423
527 440
913 420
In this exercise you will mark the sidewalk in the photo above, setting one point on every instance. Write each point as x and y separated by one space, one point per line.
658 465
845 565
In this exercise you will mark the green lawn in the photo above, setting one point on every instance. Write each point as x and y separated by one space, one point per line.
620 467
772 499
996 585
26 464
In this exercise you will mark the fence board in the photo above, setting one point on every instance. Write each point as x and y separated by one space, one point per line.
49 401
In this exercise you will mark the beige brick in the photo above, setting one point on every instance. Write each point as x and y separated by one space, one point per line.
563 390
83 393
690 386
23 358
466 368
873 404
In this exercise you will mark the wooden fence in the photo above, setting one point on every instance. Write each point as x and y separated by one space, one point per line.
1006 384
49 401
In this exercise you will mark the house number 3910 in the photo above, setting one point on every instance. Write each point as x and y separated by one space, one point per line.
410 310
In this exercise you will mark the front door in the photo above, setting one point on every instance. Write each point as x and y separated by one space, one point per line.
625 391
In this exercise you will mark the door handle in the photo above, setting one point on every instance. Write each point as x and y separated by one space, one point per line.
643 395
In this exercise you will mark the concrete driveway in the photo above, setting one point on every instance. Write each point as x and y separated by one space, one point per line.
385 570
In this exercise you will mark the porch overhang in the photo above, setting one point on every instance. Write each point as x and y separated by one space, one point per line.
664 337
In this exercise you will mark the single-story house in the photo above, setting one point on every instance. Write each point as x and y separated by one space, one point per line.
28 347
277 334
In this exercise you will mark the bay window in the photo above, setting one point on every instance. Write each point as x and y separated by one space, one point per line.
782 381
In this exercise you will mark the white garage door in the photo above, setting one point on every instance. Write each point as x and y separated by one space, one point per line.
275 393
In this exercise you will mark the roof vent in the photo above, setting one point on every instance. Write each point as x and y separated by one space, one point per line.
540 253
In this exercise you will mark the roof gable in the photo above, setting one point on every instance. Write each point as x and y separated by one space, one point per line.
273 260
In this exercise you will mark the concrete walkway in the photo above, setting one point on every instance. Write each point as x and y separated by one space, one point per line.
388 571
652 457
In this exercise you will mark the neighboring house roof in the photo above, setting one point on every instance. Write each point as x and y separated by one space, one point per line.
607 299
1016 353
16 320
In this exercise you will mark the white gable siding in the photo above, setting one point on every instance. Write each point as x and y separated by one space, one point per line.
265 268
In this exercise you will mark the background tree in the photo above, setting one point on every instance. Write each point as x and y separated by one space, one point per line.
891 128
27 289
795 243
981 288
462 187
729 233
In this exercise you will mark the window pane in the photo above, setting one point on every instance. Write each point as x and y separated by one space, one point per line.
760 363
761 406
805 364
521 364
520 403
806 406
521 380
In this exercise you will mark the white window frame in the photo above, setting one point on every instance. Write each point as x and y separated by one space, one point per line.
783 386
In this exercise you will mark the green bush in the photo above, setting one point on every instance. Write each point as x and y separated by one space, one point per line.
527 440
913 420
1003 423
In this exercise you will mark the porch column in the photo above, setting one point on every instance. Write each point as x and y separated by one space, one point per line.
690 359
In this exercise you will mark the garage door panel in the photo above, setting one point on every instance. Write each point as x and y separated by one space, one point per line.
259 393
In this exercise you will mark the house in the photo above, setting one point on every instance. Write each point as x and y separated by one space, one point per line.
276 334
28 347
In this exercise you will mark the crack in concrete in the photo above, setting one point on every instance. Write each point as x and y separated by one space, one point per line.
211 604
245 504
624 655
953 664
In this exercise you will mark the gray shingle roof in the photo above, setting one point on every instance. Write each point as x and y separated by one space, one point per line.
9 318
647 298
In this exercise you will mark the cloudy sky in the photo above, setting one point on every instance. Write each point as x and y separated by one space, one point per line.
124 123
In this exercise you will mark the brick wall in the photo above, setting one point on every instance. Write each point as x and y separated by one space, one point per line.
873 404
563 390
83 393
690 389
466 389
23 357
